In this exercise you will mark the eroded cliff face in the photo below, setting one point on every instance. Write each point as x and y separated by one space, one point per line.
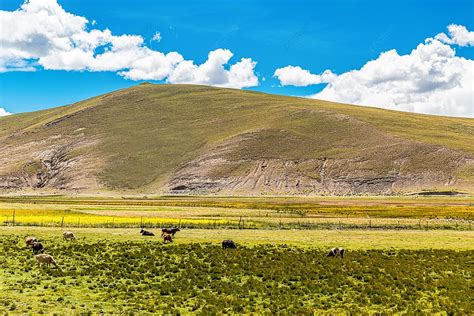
328 176
53 164
399 166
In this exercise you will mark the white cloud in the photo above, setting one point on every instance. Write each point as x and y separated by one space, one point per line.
213 72
3 112
430 79
458 35
156 37
296 76
42 34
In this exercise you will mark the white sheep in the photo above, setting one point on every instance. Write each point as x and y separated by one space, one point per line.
69 235
45 259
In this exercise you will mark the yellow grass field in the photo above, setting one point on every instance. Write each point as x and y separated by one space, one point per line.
212 212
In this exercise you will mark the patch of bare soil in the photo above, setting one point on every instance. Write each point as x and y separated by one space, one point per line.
54 163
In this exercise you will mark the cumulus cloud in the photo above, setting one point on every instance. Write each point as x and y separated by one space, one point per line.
212 72
458 35
3 112
296 76
431 79
42 34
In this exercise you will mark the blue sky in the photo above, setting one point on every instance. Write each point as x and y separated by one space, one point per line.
315 35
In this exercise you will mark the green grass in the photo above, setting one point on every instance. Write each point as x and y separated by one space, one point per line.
143 134
116 270
121 272
351 239
450 132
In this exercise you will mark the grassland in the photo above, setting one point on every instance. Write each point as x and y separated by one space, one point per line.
404 255
123 273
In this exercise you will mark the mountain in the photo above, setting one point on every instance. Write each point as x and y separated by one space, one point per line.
156 139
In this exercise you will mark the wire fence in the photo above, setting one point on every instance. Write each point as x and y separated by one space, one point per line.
245 223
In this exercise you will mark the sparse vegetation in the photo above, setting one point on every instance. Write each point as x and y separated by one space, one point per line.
123 276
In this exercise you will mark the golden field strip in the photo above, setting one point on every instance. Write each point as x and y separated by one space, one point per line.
245 212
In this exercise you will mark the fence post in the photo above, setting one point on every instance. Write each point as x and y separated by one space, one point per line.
14 212
62 222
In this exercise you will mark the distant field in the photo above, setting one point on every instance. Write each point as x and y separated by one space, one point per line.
255 213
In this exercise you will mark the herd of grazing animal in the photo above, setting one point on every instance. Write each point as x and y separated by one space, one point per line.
38 249
166 233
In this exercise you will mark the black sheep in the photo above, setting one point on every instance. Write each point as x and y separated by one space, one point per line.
37 247
146 233
229 244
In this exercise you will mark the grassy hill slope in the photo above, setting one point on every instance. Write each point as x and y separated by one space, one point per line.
199 139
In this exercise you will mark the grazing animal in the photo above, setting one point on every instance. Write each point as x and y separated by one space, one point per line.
229 244
30 240
146 233
45 259
167 237
37 247
69 236
171 231
334 252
